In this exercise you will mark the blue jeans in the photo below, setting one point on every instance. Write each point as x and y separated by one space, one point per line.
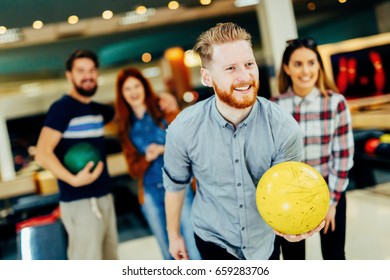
154 213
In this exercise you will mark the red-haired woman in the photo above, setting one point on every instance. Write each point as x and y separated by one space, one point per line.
143 119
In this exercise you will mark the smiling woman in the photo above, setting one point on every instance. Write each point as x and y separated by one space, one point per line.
325 121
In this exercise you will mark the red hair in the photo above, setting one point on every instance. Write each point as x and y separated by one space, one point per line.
123 109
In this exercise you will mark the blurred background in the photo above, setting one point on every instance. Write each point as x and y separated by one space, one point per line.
157 36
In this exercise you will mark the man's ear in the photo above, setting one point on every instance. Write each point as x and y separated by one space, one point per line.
68 75
206 79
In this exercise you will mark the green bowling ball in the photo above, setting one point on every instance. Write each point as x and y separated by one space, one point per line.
79 155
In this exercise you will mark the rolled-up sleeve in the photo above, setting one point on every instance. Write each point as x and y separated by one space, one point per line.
177 169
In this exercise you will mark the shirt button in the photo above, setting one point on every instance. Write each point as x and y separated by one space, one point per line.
243 228
243 247
241 205
236 160
239 184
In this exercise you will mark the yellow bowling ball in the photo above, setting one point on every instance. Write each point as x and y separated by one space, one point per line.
292 197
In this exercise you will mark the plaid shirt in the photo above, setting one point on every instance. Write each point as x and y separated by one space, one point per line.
327 130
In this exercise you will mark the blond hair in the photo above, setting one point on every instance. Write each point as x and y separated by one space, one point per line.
219 34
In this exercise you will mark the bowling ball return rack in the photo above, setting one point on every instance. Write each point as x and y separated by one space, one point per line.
362 173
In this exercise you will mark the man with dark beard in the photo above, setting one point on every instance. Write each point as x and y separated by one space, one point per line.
227 142
87 208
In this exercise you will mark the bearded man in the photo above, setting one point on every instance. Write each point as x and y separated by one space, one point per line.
227 142
86 204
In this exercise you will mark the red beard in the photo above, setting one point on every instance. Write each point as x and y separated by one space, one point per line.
230 99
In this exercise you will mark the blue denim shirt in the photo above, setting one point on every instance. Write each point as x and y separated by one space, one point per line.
143 133
228 163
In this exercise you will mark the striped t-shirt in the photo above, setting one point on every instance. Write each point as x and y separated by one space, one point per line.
79 122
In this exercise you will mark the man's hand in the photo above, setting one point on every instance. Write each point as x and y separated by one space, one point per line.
299 237
177 248
173 205
85 176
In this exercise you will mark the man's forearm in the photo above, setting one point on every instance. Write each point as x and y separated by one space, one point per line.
173 205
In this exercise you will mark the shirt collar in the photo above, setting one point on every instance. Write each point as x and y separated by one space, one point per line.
223 122
308 98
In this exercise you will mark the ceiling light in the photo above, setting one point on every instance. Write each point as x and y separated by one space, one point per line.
311 6
107 14
146 57
173 5
37 24
73 19
141 10
205 2
342 1
244 3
